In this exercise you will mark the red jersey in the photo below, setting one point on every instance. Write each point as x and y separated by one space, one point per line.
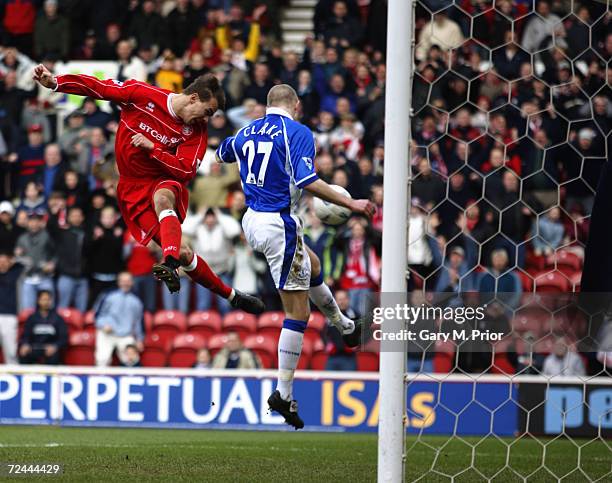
179 147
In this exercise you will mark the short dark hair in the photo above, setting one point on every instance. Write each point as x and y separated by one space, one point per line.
206 87
42 292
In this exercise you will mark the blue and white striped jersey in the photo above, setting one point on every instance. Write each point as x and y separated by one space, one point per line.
275 156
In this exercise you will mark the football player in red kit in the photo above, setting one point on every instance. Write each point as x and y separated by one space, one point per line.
159 145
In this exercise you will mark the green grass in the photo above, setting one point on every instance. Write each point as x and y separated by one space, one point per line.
97 454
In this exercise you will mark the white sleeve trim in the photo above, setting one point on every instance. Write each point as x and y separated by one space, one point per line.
298 183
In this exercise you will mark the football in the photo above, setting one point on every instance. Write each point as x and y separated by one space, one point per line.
329 213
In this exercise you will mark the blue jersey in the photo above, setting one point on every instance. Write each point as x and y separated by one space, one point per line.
275 156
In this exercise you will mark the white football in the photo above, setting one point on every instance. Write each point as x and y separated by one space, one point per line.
329 213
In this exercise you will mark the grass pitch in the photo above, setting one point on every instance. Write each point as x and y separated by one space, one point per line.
98 454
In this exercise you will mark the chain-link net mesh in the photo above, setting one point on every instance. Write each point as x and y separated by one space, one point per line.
511 121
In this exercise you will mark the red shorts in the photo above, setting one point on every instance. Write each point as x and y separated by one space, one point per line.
135 198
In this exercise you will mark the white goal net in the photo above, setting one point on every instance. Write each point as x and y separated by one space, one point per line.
511 116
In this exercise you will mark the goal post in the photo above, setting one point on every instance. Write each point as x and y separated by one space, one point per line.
391 434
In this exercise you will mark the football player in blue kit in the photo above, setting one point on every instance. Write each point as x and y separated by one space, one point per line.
275 156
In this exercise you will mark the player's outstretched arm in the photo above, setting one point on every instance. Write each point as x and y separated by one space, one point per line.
85 85
324 191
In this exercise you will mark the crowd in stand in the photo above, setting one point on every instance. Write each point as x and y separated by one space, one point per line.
511 116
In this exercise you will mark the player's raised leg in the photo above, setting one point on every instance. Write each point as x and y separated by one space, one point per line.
170 235
321 296
178 253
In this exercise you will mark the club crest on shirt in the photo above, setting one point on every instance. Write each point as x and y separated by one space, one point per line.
307 161
187 131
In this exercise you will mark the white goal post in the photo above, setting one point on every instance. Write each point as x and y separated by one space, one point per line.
391 436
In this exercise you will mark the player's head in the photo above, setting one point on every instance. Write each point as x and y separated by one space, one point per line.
285 97
204 97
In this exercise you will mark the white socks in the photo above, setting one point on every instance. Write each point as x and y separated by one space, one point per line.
289 350
322 297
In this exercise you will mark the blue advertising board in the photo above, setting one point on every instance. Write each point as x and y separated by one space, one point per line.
222 399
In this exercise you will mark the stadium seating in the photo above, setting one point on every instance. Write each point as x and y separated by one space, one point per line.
72 317
168 324
155 352
316 324
566 262
23 315
81 349
318 360
89 321
216 343
241 322
205 323
184 350
552 282
264 347
270 323
367 361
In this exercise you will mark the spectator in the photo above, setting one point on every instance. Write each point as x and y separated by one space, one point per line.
94 153
147 26
235 356
289 72
131 356
119 316
139 262
45 334
232 33
194 69
11 60
30 158
341 357
33 199
212 190
360 273
213 238
54 169
180 27
9 275
130 66
335 91
548 232
9 230
103 253
260 85
544 25
440 31
51 32
168 77
420 257
18 22
563 361
36 251
203 359
340 29
500 279
455 275
72 283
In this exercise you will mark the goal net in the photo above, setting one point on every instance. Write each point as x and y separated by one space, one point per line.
510 359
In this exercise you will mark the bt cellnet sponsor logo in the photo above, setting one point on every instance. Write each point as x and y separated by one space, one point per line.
162 138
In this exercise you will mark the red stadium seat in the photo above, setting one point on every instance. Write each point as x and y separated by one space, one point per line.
318 360
526 280
168 324
81 346
205 323
23 315
367 361
238 321
216 343
534 319
184 350
270 323
72 317
566 262
576 280
155 351
316 324
264 347
552 282
148 322
89 321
